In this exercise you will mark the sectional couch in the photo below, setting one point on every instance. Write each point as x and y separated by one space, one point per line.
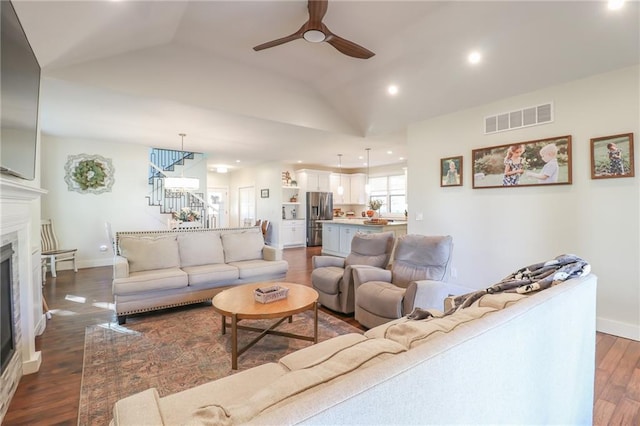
507 359
161 269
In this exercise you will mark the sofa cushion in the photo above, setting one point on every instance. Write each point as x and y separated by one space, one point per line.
219 273
200 248
411 333
145 281
260 269
311 355
240 246
146 253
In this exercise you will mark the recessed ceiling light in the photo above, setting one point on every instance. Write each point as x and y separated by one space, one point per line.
237 161
360 157
389 152
615 4
474 57
299 161
401 158
222 169
392 89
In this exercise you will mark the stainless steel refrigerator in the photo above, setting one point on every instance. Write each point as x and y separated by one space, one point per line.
319 207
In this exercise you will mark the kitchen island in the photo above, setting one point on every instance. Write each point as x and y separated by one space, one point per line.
338 233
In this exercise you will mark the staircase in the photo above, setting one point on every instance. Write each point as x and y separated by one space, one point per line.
163 163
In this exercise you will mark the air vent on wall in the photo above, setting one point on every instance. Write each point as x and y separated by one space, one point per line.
525 117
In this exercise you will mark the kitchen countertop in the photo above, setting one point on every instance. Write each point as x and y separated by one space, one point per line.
359 221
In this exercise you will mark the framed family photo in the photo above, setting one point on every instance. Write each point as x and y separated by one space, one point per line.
451 171
538 162
612 156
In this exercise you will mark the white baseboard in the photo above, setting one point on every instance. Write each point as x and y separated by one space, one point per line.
617 328
85 263
31 366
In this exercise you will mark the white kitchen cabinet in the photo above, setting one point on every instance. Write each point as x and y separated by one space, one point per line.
346 235
313 180
336 180
294 233
330 238
357 194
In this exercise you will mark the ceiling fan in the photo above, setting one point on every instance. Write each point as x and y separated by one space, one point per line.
315 31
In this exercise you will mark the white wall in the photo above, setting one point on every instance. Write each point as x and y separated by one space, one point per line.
498 230
266 176
79 219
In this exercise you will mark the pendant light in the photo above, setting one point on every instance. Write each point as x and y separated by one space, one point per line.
340 187
367 187
181 184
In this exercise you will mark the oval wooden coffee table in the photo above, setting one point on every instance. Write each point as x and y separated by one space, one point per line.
239 303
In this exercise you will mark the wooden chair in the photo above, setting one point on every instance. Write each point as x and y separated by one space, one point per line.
51 253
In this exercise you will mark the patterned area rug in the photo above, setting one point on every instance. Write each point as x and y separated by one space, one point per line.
175 350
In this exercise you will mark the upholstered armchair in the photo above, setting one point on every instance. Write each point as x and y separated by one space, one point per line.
331 276
417 278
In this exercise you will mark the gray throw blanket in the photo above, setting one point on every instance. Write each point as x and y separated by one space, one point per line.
538 276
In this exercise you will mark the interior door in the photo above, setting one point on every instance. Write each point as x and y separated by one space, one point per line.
247 205
218 206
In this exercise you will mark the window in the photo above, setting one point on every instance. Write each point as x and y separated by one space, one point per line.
392 191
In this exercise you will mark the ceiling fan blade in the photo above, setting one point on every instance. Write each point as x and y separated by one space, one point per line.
317 10
298 34
347 47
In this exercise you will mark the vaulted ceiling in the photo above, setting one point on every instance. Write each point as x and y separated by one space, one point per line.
144 71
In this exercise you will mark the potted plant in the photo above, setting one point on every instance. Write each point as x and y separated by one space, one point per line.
187 218
374 206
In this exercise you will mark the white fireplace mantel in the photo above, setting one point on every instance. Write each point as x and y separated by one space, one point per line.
18 212
13 190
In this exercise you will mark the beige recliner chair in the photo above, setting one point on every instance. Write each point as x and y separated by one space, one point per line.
331 276
418 278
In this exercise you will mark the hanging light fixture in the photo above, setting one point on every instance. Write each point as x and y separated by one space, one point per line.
367 187
340 187
181 183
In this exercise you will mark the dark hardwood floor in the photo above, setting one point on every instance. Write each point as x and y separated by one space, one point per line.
50 397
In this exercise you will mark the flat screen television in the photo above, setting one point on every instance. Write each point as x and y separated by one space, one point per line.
19 97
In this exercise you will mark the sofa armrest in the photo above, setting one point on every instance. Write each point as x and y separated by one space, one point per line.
430 294
363 274
324 261
271 253
139 409
120 267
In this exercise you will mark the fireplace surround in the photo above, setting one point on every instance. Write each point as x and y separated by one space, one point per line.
7 340
19 225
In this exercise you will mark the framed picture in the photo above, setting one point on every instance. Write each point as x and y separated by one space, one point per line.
451 171
612 156
264 193
538 162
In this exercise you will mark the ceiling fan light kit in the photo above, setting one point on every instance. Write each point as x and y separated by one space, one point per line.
315 31
314 36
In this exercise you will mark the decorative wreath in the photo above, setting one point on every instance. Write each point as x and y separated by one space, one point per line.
89 173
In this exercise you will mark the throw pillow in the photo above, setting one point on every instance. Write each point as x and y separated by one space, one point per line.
200 248
149 253
240 246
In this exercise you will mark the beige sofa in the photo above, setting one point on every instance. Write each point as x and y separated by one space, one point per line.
160 269
507 359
